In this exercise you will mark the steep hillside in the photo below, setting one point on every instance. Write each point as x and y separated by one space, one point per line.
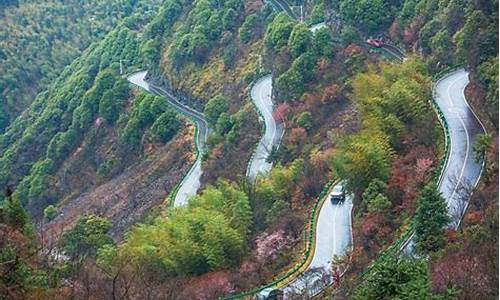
446 34
38 39
95 162
215 64
89 128
322 87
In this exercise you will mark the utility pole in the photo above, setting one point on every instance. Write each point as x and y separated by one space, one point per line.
121 67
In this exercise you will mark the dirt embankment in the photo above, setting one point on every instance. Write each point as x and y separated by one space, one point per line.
127 197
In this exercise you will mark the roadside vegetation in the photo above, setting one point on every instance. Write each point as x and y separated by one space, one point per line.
91 161
38 40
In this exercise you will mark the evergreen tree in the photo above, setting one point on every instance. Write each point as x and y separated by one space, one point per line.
214 108
165 127
50 212
396 278
300 40
88 235
14 213
431 219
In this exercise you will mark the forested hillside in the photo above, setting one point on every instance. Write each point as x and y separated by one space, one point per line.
39 38
86 130
91 165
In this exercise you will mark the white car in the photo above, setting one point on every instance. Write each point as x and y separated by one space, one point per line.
338 194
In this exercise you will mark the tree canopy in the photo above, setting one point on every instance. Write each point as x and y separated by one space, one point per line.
208 234
431 219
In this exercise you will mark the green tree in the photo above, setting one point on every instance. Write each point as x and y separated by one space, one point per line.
88 235
369 15
215 25
131 134
14 213
323 42
247 28
62 144
305 120
105 168
481 146
109 107
300 40
165 127
278 32
488 74
305 65
149 51
291 83
318 13
426 34
471 43
224 123
375 187
396 278
50 212
442 45
213 226
214 108
228 198
363 158
431 219
349 34
379 204
229 19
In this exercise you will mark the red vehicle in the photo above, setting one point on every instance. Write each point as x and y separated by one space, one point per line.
375 42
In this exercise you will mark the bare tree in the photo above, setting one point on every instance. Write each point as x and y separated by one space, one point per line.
460 200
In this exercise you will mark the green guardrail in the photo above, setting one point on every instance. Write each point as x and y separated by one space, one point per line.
263 128
396 247
173 193
304 263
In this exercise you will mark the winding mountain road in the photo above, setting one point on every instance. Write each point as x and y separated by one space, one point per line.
333 229
261 95
460 176
462 171
333 239
191 182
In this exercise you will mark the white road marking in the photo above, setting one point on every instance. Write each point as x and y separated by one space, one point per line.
457 112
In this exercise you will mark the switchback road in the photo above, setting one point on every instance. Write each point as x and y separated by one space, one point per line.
191 182
333 239
462 171
261 96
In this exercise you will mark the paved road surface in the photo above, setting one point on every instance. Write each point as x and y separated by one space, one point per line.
333 238
462 172
282 5
317 27
333 234
261 96
462 169
191 183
